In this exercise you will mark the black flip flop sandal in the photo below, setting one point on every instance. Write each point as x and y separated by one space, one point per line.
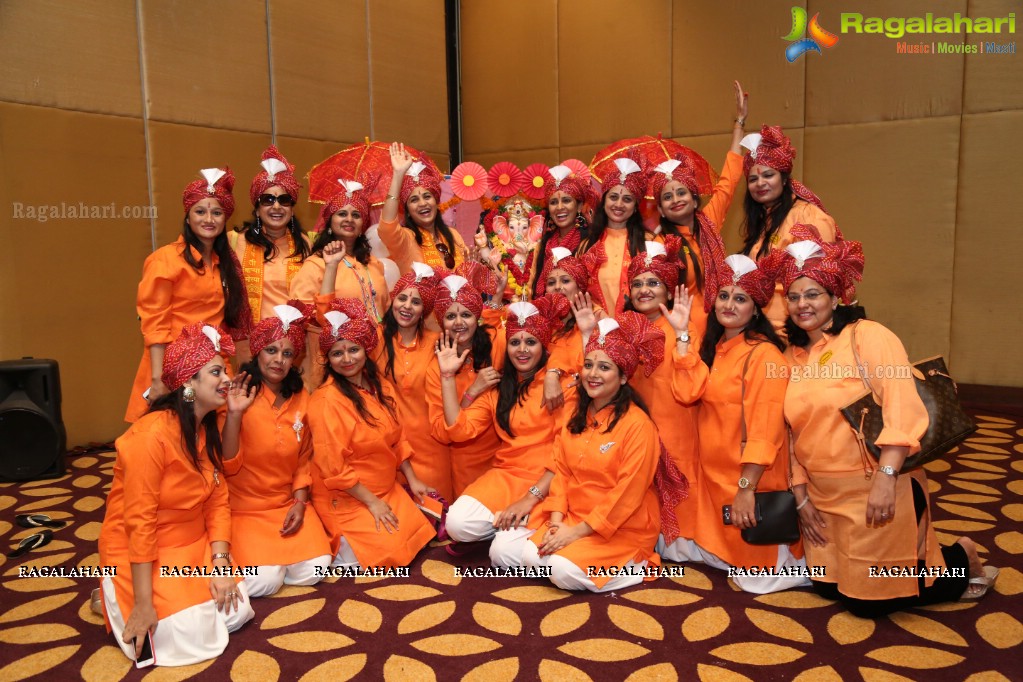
38 521
40 539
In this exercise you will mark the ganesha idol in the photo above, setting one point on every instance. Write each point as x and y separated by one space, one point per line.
507 239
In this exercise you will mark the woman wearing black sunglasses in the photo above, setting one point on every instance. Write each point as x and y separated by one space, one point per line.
273 246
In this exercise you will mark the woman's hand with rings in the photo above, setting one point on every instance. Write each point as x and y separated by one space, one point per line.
225 593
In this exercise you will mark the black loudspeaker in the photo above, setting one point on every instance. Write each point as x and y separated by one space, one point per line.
32 437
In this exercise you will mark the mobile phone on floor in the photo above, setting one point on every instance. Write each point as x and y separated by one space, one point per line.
146 657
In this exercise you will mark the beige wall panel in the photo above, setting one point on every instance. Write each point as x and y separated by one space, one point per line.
714 43
548 157
615 70
986 317
80 55
583 152
409 79
206 63
441 158
305 154
321 79
993 80
74 300
892 186
179 152
862 78
509 85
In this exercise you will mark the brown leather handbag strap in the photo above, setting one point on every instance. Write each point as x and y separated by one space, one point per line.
861 369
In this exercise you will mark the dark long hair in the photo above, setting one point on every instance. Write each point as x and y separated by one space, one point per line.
758 330
511 392
761 221
637 233
349 390
270 250
185 412
843 315
550 228
482 347
668 227
290 385
438 224
361 249
624 398
391 327
230 278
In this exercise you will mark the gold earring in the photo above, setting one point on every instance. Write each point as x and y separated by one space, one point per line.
188 395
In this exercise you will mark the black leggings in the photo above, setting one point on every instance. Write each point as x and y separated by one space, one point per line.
941 590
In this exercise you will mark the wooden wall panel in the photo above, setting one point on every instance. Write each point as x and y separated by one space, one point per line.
986 320
409 75
712 44
993 80
321 69
82 55
67 285
520 158
206 63
511 103
892 186
615 70
862 78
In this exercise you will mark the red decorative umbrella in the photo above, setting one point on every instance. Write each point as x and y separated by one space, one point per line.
367 162
649 151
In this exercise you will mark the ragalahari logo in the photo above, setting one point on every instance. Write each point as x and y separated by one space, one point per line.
800 43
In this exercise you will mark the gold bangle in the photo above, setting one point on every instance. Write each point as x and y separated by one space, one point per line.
741 122
391 196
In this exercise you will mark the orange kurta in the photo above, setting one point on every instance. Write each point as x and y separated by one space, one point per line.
716 210
607 481
349 450
403 249
171 295
802 212
721 410
267 282
566 353
161 509
675 420
469 459
274 460
521 459
612 276
430 457
827 458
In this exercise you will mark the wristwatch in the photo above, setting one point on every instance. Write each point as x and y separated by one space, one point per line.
535 492
683 337
746 484
889 470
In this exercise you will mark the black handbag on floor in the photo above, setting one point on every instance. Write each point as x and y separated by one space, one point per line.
775 511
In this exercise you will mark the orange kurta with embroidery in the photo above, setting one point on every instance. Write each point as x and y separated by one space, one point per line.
607 481
276 451
161 509
723 404
802 212
403 249
349 450
171 295
471 458
266 282
675 420
521 459
430 457
823 379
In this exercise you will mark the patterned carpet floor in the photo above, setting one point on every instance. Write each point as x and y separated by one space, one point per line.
436 625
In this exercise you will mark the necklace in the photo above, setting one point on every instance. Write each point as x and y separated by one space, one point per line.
369 292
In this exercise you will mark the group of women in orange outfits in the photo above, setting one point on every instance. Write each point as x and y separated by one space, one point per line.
586 433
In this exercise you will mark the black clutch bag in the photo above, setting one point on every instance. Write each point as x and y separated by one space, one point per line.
948 424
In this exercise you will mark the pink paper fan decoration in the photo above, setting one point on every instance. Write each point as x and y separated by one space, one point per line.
537 176
578 167
505 179
469 181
